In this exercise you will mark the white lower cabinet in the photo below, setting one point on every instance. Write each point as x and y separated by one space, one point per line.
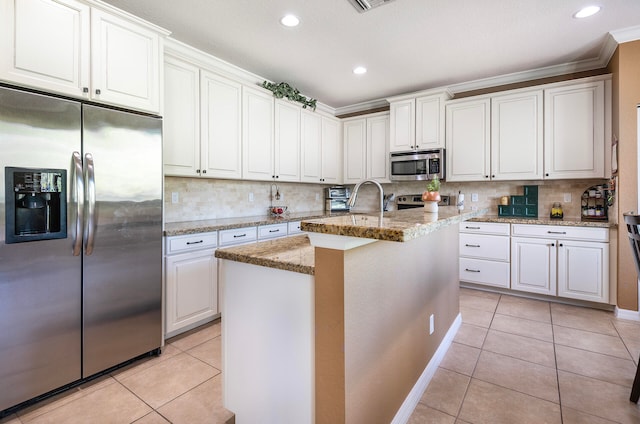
191 282
484 253
563 261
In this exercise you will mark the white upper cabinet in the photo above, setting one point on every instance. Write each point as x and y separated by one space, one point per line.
257 135
67 47
310 147
517 136
181 123
202 122
286 166
125 62
366 149
221 126
417 123
331 151
575 130
468 140
45 44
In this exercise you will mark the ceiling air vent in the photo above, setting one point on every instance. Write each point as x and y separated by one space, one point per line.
366 5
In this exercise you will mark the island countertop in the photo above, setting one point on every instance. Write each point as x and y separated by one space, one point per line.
400 226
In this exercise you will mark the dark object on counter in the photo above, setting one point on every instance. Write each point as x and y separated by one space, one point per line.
556 211
522 206
633 227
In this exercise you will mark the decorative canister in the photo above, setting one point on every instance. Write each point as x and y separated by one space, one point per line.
504 200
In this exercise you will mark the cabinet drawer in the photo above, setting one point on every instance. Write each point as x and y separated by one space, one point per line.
237 235
483 246
272 231
293 227
485 228
561 232
485 272
191 242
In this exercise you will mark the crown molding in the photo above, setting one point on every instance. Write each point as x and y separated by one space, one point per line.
625 35
361 107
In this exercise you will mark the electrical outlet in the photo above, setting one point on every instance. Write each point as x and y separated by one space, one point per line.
474 208
431 326
175 198
567 197
474 197
251 197
317 197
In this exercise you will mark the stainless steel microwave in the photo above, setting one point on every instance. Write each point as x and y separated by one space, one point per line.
417 165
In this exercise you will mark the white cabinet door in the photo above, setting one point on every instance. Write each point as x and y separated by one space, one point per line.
355 151
125 62
517 136
378 148
310 147
257 135
331 152
181 121
430 122
192 289
402 125
533 265
574 131
221 127
45 44
583 270
468 140
287 141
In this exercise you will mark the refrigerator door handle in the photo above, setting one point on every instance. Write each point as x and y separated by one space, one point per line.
78 193
90 197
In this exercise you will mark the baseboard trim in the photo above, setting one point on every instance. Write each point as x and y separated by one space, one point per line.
627 314
411 401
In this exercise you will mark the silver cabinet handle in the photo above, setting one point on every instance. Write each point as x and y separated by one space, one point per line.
472 228
78 193
472 245
90 196
556 232
472 270
239 235
195 242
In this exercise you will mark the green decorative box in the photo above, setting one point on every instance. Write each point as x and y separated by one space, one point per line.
525 206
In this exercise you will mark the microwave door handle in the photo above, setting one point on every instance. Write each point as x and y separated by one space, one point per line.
78 196
90 195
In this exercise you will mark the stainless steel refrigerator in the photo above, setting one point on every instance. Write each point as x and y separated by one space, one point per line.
80 241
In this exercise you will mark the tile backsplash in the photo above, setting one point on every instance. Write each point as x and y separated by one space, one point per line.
200 199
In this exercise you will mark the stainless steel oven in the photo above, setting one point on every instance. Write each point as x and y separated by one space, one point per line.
417 165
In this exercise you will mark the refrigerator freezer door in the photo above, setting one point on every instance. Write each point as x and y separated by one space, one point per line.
40 281
122 271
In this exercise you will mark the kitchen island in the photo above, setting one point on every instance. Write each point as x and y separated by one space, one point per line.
353 338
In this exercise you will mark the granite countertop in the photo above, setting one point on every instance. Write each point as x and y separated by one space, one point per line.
567 221
205 226
399 226
293 253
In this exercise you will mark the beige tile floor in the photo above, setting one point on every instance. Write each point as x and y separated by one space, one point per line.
513 360
517 360
182 385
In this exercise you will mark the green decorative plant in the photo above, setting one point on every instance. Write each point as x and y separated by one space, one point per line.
434 184
282 89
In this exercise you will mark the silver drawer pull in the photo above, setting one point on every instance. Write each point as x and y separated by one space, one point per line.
239 235
472 228
274 231
195 242
472 270
556 232
472 245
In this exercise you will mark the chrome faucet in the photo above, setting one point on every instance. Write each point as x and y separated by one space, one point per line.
354 194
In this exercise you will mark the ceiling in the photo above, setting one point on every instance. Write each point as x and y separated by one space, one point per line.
406 45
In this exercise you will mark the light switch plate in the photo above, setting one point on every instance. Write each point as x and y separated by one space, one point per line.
175 197
251 197
567 198
474 197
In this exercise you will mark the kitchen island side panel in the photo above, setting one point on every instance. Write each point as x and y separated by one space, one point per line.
390 291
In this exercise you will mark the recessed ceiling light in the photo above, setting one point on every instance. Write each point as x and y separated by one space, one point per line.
587 11
290 20
359 70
